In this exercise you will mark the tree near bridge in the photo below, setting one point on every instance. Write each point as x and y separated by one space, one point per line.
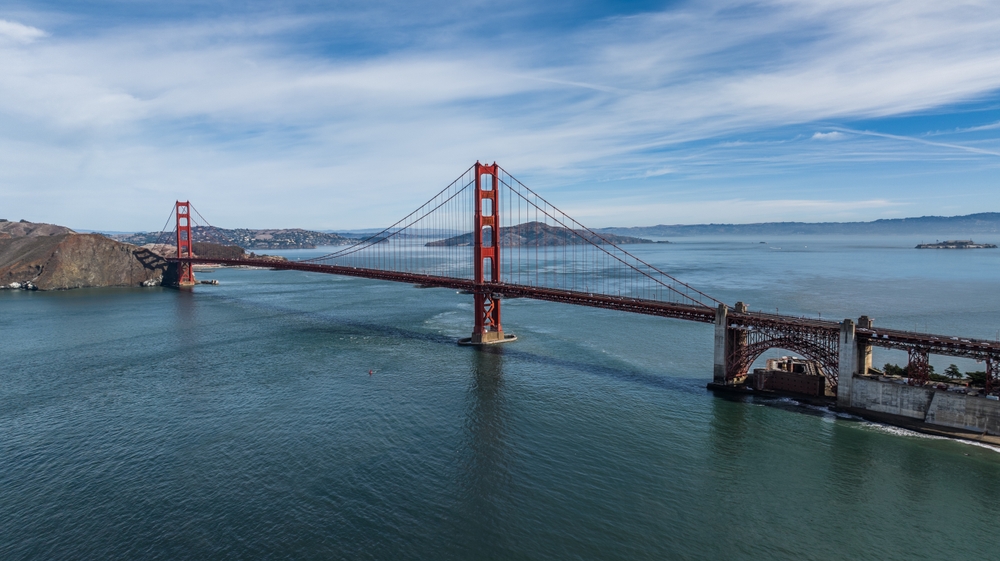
952 372
894 370
904 371
977 378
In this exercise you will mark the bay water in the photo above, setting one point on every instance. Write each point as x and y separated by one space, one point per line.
292 415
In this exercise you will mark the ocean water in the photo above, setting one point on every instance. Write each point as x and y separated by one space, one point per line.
290 415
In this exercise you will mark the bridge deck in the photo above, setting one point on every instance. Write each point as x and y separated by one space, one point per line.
688 312
979 349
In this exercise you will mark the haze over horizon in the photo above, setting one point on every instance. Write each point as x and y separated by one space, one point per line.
299 114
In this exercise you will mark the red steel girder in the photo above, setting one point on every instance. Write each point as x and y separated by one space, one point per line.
746 345
918 368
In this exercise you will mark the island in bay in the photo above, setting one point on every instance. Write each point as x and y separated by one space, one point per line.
538 234
956 244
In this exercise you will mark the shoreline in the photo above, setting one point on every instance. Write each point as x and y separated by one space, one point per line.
889 419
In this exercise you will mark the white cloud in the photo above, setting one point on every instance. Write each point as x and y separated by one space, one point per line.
18 32
229 112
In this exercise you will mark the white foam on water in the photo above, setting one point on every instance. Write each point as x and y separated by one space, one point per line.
899 431
830 416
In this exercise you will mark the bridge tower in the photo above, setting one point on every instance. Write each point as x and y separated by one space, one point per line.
486 244
185 274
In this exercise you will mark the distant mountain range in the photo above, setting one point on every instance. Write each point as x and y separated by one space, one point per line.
981 223
539 234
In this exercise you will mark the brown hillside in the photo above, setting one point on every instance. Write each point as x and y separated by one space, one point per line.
25 228
60 261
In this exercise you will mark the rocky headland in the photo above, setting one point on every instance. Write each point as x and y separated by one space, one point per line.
71 260
37 256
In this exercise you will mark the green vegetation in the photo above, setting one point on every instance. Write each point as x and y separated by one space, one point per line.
977 378
217 251
894 370
951 374
903 371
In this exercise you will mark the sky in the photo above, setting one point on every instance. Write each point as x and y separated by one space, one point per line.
341 115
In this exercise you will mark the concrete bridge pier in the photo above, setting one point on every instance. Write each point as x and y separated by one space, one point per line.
721 338
728 342
855 358
847 363
864 347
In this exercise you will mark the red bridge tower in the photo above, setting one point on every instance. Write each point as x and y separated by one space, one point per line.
486 243
185 274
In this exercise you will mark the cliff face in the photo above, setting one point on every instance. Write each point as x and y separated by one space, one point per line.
64 261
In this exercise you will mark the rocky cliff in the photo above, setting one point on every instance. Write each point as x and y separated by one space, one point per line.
61 261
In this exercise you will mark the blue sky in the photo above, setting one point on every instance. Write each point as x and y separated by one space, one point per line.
336 115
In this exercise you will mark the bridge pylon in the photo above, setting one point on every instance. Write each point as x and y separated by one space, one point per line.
185 273
486 245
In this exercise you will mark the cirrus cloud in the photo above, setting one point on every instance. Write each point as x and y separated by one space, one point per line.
696 96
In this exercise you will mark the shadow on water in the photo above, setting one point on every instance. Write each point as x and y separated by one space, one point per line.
485 472
852 457
188 328
728 442
186 309
728 428
317 328
325 325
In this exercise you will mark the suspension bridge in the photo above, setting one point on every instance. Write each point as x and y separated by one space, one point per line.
489 235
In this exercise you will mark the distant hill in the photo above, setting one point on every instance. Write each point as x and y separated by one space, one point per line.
293 238
538 234
24 228
981 223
